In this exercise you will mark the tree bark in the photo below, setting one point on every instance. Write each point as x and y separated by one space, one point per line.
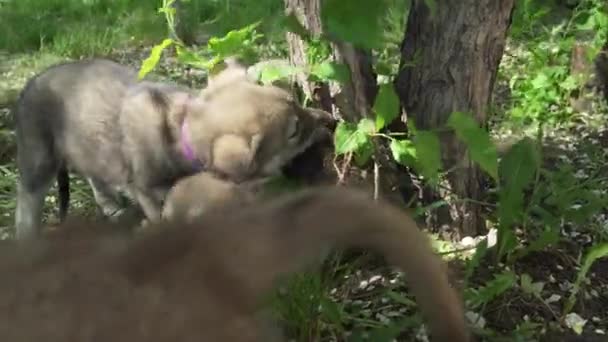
308 13
601 70
352 99
594 74
456 55
356 97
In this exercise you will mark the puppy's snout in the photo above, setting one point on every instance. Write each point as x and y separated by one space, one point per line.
325 119
330 123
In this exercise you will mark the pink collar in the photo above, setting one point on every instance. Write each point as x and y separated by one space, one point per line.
186 143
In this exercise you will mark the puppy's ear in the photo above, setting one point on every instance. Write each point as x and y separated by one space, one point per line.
223 74
230 66
322 117
234 155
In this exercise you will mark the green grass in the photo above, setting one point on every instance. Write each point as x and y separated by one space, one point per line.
76 28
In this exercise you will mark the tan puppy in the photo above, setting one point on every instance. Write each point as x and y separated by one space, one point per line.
204 282
271 128
194 196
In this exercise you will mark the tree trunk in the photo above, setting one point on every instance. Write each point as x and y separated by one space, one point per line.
308 13
601 70
456 55
594 74
353 99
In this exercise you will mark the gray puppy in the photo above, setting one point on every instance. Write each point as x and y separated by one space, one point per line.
95 118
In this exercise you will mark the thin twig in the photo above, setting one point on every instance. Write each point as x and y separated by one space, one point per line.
376 179
341 171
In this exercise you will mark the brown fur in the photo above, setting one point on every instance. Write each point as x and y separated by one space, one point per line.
205 282
272 127
193 196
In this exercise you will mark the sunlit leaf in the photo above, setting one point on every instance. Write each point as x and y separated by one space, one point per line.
404 152
190 58
429 154
541 81
272 72
386 106
348 138
331 71
596 252
150 63
232 43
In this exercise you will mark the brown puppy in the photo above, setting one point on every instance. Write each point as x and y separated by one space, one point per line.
193 196
204 282
93 117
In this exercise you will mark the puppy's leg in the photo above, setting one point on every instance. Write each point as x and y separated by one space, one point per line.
150 204
106 200
28 214
37 170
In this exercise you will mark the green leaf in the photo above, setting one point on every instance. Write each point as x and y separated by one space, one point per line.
480 251
517 169
569 83
348 138
356 21
507 241
366 126
478 141
492 289
232 43
364 153
596 252
356 139
400 298
404 152
188 57
317 51
331 71
331 310
268 73
150 63
547 238
386 106
530 287
429 154
345 137
541 81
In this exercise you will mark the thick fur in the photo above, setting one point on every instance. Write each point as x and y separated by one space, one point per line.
93 117
272 127
205 281
194 196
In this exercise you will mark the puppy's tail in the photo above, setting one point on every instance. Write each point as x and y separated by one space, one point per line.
319 219
63 189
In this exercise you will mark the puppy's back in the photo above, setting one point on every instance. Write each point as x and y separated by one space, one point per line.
193 196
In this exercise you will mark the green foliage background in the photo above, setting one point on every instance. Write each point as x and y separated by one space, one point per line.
535 201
